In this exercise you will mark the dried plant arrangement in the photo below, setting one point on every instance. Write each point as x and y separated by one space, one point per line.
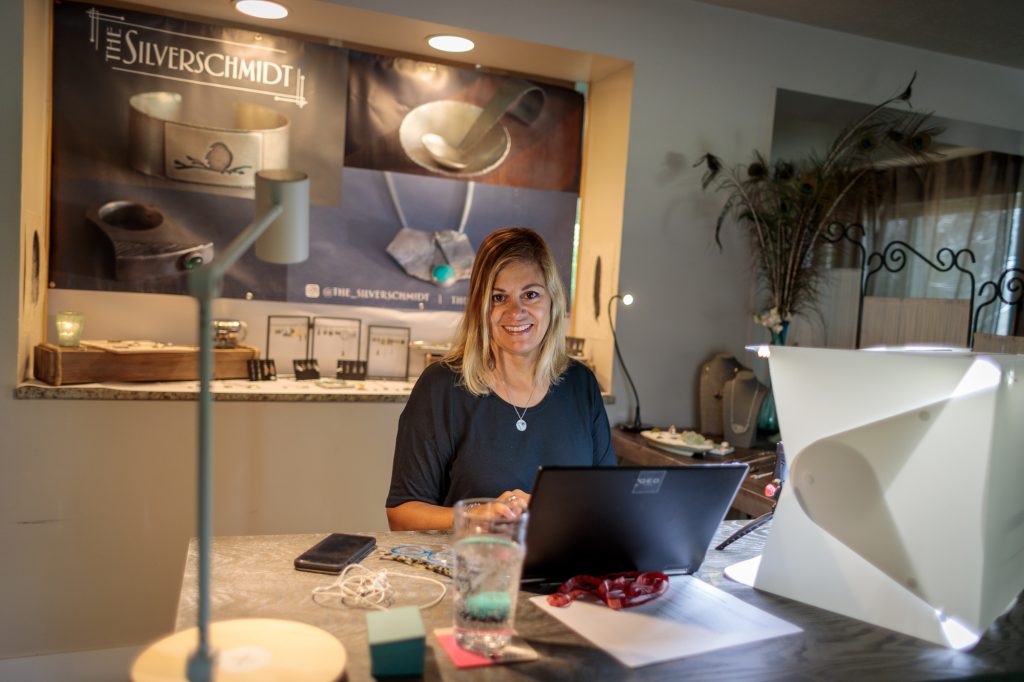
786 206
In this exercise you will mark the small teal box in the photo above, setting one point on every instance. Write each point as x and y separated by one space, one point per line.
397 642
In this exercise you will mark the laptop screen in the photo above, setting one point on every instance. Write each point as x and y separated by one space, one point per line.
600 520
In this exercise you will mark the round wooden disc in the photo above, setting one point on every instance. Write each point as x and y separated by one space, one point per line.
248 650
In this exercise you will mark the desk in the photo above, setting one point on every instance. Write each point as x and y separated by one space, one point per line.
633 450
253 577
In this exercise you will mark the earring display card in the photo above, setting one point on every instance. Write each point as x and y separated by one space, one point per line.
287 338
335 338
351 369
387 355
262 370
306 369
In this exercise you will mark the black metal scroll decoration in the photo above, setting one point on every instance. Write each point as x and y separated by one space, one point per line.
835 232
1008 288
894 258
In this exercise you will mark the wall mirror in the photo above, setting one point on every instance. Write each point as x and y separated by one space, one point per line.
966 197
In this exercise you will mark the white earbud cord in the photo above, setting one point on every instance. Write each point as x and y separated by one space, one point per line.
359 587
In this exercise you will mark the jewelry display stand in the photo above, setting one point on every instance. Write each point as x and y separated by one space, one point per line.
287 339
387 355
741 401
713 375
335 338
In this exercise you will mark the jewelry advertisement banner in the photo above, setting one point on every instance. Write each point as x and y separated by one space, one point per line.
160 123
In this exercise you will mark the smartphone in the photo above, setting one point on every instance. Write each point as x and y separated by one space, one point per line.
335 552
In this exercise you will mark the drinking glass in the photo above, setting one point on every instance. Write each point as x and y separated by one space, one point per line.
489 544
69 329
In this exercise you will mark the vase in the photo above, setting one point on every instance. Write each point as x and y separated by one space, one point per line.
767 417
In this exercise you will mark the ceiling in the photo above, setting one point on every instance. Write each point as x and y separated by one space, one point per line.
353 27
986 30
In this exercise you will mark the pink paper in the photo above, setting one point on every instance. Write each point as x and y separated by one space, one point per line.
460 657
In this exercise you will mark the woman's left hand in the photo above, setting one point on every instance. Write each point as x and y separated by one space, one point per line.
516 499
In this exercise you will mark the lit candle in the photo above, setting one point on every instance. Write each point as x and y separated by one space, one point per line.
69 329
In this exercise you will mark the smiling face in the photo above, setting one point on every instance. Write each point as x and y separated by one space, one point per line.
520 310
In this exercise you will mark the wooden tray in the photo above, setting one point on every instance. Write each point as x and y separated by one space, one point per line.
58 366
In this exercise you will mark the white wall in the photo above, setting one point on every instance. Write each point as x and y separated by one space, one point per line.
96 497
705 80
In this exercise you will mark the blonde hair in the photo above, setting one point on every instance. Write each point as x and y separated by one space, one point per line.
471 355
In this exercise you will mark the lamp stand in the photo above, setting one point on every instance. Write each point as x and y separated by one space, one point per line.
637 425
205 284
279 194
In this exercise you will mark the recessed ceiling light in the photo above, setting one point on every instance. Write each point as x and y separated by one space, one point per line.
447 43
262 9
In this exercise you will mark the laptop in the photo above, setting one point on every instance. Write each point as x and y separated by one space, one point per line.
599 520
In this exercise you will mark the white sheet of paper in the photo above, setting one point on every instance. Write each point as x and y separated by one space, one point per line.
690 619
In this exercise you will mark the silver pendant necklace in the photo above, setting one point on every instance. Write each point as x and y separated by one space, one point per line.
742 428
521 422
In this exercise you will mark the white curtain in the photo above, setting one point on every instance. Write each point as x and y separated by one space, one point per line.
971 202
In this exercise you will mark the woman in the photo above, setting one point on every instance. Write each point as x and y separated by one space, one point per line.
506 400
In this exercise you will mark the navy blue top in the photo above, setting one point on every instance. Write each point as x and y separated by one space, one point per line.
453 445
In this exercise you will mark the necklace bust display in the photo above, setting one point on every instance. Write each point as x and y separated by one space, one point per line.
741 401
713 375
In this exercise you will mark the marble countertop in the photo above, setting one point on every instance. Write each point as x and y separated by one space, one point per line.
281 390
284 389
253 577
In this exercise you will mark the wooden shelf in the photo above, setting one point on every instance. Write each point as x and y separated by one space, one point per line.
59 366
632 450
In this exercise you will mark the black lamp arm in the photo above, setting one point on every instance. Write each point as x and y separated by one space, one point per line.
637 424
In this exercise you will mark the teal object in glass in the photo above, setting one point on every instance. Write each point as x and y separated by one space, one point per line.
767 417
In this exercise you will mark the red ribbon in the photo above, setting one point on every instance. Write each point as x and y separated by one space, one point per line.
617 590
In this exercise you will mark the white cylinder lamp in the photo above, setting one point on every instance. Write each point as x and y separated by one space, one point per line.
287 238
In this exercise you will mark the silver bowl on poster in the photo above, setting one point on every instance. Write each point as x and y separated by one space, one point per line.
451 120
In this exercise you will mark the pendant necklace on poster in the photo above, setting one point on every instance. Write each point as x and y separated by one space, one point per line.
442 257
521 422
742 428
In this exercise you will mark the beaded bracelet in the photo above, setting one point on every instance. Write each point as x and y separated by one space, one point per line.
617 590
